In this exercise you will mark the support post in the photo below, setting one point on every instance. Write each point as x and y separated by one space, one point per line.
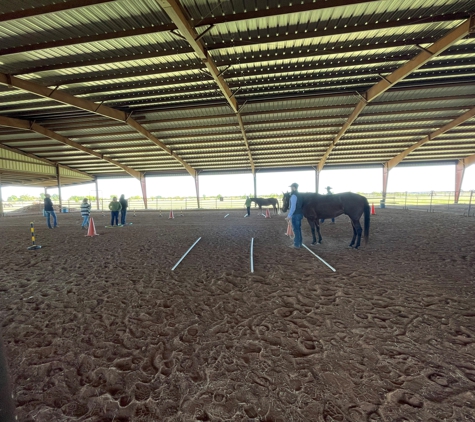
255 184
459 173
317 179
58 180
385 182
97 193
1 198
197 187
143 185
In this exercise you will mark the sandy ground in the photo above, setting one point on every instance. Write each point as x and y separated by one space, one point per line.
100 329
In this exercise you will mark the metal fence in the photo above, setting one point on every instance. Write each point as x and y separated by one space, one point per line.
421 201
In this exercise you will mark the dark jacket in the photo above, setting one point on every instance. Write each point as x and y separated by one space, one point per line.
48 205
124 203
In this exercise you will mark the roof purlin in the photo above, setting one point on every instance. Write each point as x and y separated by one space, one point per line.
454 123
32 126
81 103
387 82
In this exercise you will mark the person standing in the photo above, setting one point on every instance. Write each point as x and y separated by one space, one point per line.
49 211
295 215
85 213
329 192
123 212
248 206
115 207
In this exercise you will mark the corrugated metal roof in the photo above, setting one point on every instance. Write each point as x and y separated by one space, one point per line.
295 70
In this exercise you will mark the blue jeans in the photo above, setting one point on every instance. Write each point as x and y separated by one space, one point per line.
85 221
297 227
114 217
123 213
48 220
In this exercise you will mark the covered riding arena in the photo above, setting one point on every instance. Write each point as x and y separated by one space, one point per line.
101 329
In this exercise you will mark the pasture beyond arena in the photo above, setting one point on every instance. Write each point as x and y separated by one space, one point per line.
100 329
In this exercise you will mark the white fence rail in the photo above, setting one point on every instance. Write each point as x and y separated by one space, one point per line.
422 201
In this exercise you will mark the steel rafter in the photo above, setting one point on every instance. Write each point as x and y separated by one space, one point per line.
51 8
32 126
44 160
100 109
181 19
388 81
454 123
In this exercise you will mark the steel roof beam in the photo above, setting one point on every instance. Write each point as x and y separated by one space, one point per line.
454 123
181 19
388 81
51 8
32 126
100 109
44 160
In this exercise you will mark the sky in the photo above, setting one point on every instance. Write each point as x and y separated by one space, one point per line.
401 179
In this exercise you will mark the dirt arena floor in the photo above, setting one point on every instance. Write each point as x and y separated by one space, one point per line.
101 329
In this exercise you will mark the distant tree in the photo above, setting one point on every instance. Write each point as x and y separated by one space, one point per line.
55 197
76 198
27 198
135 197
42 196
12 198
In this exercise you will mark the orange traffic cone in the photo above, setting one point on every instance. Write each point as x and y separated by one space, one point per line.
373 212
171 216
267 213
91 231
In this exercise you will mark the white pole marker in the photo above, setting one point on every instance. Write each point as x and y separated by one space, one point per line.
328 265
181 259
226 215
252 255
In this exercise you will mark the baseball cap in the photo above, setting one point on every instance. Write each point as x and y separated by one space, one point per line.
294 185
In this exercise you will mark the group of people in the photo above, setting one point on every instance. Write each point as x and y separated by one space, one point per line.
295 214
115 207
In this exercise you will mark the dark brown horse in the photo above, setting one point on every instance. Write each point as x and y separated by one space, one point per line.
262 202
317 206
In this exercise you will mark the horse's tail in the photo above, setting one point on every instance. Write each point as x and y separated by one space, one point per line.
367 214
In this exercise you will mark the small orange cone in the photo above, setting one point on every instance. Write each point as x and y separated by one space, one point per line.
91 231
373 212
171 216
267 213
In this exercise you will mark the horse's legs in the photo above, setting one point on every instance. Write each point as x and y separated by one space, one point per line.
354 234
311 223
358 229
317 225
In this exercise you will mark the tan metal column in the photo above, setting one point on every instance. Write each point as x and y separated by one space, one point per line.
58 179
317 179
97 193
385 181
197 187
1 198
143 185
459 173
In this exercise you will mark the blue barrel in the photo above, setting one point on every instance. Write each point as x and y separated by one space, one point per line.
65 209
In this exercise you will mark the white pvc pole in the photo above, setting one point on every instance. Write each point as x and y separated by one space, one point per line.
181 259
252 255
328 265
226 215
